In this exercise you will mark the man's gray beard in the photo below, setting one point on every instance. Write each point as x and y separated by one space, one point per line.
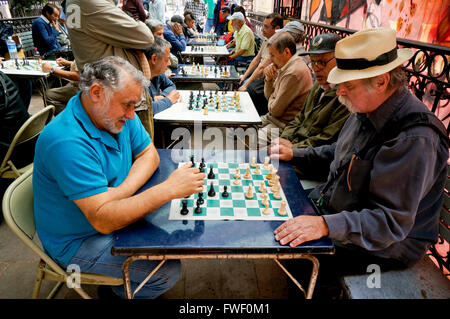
344 100
102 111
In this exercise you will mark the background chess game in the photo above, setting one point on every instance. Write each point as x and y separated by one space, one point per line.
236 206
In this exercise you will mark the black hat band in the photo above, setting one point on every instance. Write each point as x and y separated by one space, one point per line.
361 64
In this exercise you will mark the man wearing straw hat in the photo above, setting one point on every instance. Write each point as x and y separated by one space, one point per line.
390 138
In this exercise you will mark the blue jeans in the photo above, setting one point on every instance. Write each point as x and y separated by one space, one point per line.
94 256
209 25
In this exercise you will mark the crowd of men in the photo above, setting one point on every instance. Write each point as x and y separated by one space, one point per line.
336 112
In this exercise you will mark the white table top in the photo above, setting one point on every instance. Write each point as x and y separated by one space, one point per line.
179 111
32 70
219 51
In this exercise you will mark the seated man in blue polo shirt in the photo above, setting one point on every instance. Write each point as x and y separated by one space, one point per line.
89 162
173 32
45 30
161 89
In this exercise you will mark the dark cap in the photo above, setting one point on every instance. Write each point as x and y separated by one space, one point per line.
323 43
177 18
226 8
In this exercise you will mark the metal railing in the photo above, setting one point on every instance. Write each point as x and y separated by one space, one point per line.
428 70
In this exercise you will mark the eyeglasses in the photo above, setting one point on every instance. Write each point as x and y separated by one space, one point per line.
320 64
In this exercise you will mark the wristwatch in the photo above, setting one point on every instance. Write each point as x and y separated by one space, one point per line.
52 70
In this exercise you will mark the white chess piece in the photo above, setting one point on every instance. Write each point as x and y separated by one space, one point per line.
257 170
249 193
247 173
282 210
266 162
266 208
253 163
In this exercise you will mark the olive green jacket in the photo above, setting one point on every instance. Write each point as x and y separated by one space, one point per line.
318 122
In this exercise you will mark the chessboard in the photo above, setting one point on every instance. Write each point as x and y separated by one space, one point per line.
232 191
25 67
205 71
222 101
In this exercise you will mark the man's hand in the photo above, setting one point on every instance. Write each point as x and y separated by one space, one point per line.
281 141
63 62
55 24
158 98
185 181
243 88
46 67
241 78
270 72
173 96
177 29
301 229
281 152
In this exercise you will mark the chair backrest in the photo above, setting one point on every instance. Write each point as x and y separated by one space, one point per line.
19 215
30 129
27 43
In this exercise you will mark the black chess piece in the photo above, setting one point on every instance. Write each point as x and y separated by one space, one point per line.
192 160
198 209
211 174
211 192
225 193
200 198
184 209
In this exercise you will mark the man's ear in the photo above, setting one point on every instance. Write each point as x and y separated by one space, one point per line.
382 82
96 93
154 58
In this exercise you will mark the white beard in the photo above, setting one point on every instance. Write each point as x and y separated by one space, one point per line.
344 100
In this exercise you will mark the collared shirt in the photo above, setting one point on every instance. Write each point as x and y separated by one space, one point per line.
44 35
264 50
82 162
245 40
198 9
397 221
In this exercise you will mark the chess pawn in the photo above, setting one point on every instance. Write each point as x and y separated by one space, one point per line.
247 174
266 208
257 171
270 174
262 187
277 194
282 210
236 180
266 162
237 174
253 163
249 193
205 111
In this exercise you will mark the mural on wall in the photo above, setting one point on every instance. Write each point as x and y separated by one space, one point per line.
427 21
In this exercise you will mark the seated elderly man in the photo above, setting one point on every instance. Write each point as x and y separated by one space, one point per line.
253 78
173 32
322 116
287 84
244 41
189 26
390 136
85 180
161 89
45 31
157 28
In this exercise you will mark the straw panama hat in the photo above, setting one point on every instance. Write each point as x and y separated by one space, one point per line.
367 53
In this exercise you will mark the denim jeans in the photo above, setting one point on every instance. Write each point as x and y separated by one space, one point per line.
209 25
94 256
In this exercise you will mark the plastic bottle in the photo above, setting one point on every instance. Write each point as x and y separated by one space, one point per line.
12 49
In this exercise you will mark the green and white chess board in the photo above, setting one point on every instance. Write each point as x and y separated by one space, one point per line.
228 102
236 206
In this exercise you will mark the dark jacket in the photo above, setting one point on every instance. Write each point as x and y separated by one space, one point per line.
386 197
319 121
135 9
178 42
45 36
161 85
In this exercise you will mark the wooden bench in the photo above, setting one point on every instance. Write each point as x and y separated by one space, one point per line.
422 281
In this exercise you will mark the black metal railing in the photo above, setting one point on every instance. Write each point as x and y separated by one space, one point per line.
20 25
428 70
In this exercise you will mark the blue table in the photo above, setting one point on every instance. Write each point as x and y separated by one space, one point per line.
156 237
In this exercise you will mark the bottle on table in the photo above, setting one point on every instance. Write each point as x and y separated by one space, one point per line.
12 49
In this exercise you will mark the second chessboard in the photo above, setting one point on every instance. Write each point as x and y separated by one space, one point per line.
205 71
222 101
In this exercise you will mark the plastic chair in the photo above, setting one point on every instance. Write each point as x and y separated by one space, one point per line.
19 216
29 130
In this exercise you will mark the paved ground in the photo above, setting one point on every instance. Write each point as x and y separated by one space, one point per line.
200 278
